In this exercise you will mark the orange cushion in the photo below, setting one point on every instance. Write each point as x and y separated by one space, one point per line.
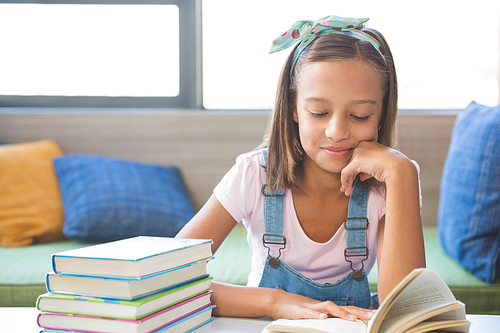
30 201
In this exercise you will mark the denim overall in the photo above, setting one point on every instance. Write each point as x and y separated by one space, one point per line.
352 289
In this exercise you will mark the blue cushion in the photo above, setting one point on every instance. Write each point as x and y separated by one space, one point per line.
469 204
107 199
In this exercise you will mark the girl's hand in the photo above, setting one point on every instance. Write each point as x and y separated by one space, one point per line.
292 306
372 159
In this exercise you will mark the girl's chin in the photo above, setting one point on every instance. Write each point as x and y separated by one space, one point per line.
334 167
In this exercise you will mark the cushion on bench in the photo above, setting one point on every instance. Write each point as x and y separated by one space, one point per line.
469 198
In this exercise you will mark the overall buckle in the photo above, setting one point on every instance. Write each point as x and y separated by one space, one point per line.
273 261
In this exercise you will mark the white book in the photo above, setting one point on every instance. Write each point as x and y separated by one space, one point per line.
115 308
183 325
126 288
132 257
152 322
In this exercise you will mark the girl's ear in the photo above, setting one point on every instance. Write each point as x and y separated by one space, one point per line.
295 116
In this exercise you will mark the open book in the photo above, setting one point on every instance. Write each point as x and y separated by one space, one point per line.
421 302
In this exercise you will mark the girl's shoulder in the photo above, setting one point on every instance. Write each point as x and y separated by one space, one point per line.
239 191
253 159
248 171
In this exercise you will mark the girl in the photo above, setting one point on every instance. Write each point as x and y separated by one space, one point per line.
327 195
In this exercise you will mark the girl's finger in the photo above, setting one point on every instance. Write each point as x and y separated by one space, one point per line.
308 313
347 183
364 176
335 310
359 312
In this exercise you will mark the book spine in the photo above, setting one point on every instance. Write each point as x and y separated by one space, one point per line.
37 304
47 282
53 261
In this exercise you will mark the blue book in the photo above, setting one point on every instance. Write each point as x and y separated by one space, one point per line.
187 323
125 288
132 257
117 308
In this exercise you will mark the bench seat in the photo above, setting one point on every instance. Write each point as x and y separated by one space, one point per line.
22 285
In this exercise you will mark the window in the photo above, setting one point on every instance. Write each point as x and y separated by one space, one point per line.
148 53
446 54
75 50
104 53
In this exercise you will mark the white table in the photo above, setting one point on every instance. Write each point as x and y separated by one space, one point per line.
23 320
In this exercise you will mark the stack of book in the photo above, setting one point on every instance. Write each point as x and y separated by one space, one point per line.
141 284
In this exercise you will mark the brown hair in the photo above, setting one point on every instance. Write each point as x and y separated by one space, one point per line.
285 151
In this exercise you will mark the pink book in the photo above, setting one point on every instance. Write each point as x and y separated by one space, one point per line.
150 323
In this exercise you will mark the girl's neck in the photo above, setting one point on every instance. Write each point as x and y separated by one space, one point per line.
320 206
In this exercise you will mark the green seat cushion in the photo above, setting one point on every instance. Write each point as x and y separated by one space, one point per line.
232 261
22 277
478 296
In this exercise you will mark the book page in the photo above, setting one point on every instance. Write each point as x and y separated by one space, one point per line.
405 321
425 290
425 296
420 289
456 314
328 325
456 326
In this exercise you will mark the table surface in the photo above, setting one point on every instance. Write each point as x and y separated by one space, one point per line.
23 320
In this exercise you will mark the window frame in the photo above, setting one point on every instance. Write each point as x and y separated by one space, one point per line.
190 63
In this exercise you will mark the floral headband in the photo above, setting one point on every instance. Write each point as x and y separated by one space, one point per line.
306 31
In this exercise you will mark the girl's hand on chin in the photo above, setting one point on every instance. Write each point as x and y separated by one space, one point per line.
372 159
292 306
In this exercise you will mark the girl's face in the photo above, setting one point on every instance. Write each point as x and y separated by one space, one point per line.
339 104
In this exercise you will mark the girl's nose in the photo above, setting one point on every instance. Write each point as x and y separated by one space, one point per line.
337 129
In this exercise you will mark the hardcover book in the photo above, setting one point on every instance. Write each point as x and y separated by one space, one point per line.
126 288
132 257
150 323
421 302
123 309
185 324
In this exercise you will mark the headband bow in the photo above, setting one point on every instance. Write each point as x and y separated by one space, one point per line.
306 31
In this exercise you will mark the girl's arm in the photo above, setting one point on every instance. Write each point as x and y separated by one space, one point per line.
400 242
214 222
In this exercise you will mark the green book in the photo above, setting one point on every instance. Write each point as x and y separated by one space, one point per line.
122 309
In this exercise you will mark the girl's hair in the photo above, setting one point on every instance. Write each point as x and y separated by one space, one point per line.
285 151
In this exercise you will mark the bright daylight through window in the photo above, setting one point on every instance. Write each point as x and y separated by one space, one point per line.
446 54
89 50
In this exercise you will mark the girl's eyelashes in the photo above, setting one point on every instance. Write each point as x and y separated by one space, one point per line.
361 119
317 114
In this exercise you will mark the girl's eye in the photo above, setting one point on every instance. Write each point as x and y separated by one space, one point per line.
361 119
317 114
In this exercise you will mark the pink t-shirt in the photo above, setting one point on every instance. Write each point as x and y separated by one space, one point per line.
239 192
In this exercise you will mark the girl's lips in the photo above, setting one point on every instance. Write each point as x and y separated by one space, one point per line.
337 153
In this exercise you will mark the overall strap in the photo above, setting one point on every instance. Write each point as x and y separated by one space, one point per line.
274 209
356 225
